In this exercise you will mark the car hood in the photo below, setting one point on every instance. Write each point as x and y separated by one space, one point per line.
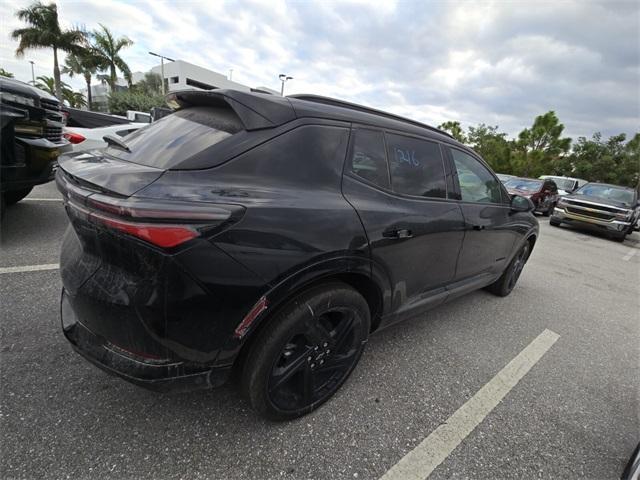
592 199
522 193
21 88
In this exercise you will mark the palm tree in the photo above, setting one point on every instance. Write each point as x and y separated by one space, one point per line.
85 63
4 73
74 99
48 84
107 48
44 32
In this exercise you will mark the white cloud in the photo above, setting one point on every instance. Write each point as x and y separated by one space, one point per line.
495 62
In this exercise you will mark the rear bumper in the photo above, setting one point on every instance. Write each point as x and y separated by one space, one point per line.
613 226
162 375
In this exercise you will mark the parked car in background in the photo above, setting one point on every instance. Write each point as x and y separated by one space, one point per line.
31 139
503 177
83 139
270 236
543 193
566 185
608 208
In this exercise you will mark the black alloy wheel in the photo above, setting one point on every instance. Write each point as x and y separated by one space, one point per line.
302 358
507 281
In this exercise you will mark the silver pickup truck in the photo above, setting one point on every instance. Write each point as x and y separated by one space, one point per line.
609 208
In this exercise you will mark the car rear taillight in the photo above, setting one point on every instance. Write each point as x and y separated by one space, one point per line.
74 137
163 223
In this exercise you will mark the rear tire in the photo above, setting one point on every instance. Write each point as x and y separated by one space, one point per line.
306 352
504 285
14 196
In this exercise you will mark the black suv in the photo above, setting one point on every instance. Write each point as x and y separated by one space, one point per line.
271 236
31 138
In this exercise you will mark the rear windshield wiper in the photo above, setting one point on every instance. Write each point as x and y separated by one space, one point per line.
114 141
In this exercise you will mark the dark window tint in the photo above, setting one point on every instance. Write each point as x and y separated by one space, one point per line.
476 182
416 167
179 136
367 157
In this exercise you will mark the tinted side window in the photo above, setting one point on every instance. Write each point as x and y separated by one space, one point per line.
416 167
368 159
476 182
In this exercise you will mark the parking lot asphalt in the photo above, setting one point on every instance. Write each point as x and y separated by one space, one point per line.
574 414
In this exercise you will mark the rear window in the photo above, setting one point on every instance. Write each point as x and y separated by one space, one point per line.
177 137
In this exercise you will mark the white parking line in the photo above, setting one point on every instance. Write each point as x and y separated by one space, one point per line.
29 268
433 450
628 256
42 199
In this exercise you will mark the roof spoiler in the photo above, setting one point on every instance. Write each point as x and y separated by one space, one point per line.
256 111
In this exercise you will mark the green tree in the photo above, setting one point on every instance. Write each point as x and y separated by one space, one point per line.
610 161
491 145
84 63
44 31
541 148
120 102
151 84
74 99
4 73
48 84
454 129
107 48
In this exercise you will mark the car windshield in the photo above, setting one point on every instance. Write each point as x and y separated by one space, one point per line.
563 183
610 192
523 184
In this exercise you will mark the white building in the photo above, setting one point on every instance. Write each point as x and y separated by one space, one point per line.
181 75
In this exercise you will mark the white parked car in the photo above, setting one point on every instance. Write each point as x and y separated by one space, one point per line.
84 139
566 185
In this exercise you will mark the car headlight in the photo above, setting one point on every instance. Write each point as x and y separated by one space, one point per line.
624 216
13 98
561 202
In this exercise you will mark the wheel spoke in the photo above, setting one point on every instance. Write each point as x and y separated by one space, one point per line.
341 332
308 385
315 332
281 375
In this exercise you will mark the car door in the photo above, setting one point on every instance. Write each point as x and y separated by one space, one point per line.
490 232
397 185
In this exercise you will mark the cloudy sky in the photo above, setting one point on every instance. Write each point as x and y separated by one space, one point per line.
497 62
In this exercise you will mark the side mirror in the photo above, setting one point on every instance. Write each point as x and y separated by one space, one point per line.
521 204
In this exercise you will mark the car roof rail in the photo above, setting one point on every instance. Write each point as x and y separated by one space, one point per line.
361 108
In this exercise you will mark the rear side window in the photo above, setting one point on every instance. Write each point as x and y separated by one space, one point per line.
177 137
368 159
416 167
476 182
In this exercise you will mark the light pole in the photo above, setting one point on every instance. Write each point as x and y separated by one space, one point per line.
230 74
162 59
283 78
33 75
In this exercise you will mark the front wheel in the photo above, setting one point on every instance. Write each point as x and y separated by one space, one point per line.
14 196
620 237
553 222
306 352
504 285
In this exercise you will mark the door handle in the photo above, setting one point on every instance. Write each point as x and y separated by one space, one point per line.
478 227
400 233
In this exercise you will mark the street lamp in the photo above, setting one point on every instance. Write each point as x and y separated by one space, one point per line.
33 75
162 59
283 78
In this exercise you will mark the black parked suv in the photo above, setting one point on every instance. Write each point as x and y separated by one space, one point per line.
31 138
271 236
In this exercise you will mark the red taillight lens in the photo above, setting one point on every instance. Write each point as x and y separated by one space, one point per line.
163 223
164 236
74 137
